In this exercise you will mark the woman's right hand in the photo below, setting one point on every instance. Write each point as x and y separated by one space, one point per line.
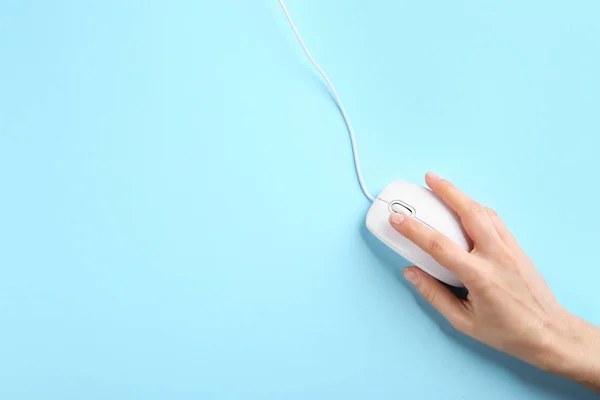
509 307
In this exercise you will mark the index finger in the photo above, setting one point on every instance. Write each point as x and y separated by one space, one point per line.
443 250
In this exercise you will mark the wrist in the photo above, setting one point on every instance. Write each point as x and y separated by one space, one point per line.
572 350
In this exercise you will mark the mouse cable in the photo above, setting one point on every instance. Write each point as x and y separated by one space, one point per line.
337 100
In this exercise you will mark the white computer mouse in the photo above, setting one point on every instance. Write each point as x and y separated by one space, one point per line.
424 206
414 200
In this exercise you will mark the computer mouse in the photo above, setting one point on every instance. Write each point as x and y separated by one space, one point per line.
424 206
400 196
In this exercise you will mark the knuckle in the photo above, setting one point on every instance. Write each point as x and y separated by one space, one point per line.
448 188
446 184
508 259
491 212
429 295
437 245
474 209
480 282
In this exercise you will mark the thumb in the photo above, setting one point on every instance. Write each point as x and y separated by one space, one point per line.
437 295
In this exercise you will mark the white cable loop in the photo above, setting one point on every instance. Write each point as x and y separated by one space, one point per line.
337 100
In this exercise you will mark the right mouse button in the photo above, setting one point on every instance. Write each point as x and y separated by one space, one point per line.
400 209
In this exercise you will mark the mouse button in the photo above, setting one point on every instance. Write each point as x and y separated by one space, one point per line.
398 207
394 191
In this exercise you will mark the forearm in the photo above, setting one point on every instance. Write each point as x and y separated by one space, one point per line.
575 352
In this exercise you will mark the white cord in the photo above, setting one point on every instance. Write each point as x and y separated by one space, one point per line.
337 100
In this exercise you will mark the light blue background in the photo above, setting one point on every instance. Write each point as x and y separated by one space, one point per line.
179 215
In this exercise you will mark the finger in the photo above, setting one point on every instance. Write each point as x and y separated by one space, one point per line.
438 296
473 215
443 250
506 235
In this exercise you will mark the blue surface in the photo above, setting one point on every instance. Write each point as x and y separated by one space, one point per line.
180 217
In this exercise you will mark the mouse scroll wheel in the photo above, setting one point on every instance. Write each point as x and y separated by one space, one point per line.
400 209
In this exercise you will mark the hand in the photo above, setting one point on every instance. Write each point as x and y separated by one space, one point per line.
509 307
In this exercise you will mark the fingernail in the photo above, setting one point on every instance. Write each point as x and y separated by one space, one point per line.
411 275
397 218
433 176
